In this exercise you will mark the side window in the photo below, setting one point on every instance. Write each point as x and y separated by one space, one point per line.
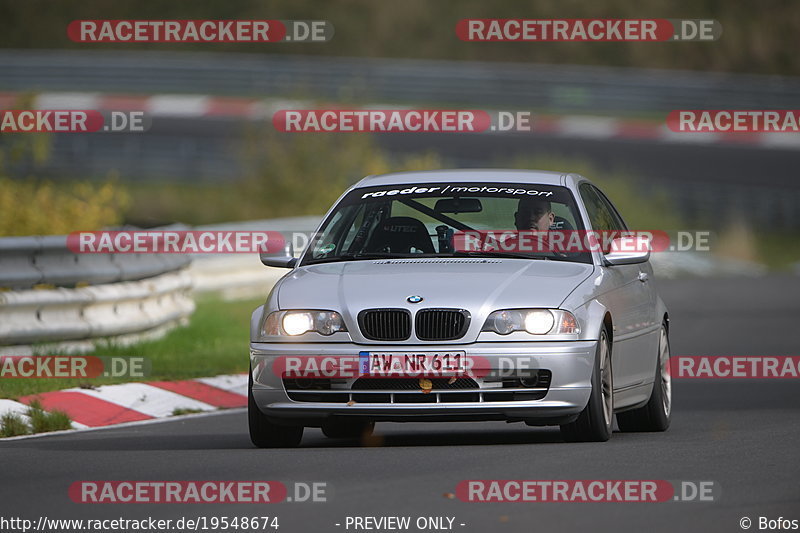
601 214
610 207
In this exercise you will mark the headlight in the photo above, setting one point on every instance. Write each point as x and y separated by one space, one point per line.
534 321
295 323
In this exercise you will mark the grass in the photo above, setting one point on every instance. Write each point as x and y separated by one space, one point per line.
39 421
178 411
779 250
268 186
161 203
215 342
12 425
44 421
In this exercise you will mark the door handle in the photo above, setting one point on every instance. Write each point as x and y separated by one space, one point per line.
643 277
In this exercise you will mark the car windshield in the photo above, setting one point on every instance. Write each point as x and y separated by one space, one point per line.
447 220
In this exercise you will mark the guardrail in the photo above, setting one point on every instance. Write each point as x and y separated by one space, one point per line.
54 299
236 276
74 319
562 88
53 295
26 262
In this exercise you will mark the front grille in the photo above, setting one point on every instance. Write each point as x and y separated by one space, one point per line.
390 391
441 324
385 324
412 384
306 384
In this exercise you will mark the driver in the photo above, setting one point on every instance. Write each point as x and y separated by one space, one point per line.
534 214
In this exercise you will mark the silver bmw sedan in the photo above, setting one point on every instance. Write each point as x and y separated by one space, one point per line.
463 295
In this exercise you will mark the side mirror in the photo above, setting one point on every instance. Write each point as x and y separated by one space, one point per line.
283 259
628 251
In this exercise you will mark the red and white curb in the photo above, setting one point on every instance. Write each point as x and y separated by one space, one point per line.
566 126
16 408
159 105
135 402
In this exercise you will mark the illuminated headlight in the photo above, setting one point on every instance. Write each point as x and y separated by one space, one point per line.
534 321
295 323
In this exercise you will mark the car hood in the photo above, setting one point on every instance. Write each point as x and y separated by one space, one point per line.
476 284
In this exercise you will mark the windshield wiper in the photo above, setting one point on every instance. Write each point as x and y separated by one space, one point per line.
394 255
514 255
366 256
508 255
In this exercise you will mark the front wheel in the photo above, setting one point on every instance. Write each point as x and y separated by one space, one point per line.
657 413
266 434
594 422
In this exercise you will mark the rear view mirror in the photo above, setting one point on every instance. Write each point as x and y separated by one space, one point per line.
458 205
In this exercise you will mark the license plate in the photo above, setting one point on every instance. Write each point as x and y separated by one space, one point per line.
412 364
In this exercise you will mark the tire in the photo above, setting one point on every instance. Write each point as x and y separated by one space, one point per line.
265 434
657 413
594 424
347 429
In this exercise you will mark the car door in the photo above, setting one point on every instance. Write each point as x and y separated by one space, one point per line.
630 301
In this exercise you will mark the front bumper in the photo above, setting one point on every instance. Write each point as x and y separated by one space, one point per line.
570 364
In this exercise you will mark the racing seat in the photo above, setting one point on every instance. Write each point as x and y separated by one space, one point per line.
561 223
399 235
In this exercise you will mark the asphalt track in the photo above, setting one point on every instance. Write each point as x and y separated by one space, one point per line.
741 434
